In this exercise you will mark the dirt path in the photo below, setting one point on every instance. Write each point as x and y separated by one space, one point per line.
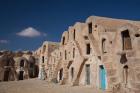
38 86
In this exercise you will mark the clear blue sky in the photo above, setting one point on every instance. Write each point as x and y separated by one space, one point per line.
52 17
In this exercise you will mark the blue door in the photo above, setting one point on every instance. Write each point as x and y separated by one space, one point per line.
102 74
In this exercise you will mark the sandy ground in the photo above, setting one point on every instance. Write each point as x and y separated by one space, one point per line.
39 86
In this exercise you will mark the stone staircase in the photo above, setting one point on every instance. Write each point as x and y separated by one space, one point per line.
55 72
94 44
80 67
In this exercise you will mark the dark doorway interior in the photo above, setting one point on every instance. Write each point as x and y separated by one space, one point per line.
21 75
72 72
125 70
90 28
6 75
88 74
61 74
126 40
88 49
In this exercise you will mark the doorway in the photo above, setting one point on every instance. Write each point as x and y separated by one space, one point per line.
102 76
61 74
72 73
21 75
6 75
88 74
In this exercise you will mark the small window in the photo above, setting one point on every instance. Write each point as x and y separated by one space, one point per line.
42 59
125 74
72 72
74 34
104 46
63 41
126 40
73 52
65 54
90 28
68 35
88 48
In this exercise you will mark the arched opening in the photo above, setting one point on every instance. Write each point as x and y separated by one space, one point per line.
42 59
73 52
72 73
102 76
22 63
88 49
74 34
63 42
61 74
126 40
87 74
123 59
125 74
104 45
90 28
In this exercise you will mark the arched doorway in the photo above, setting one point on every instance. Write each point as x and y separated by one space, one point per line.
21 75
102 76
61 74
6 75
125 75
72 73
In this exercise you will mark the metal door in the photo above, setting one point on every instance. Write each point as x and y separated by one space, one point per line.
102 74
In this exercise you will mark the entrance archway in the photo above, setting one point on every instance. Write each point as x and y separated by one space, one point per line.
102 76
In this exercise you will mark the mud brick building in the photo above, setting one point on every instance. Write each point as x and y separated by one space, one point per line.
101 52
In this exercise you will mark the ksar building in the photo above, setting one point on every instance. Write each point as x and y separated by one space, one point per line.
102 52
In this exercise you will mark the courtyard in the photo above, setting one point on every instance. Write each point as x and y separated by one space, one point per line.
39 86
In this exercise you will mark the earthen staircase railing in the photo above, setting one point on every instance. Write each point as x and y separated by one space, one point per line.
79 49
94 44
76 80
57 68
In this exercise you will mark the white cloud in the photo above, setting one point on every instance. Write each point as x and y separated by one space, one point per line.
30 32
4 41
